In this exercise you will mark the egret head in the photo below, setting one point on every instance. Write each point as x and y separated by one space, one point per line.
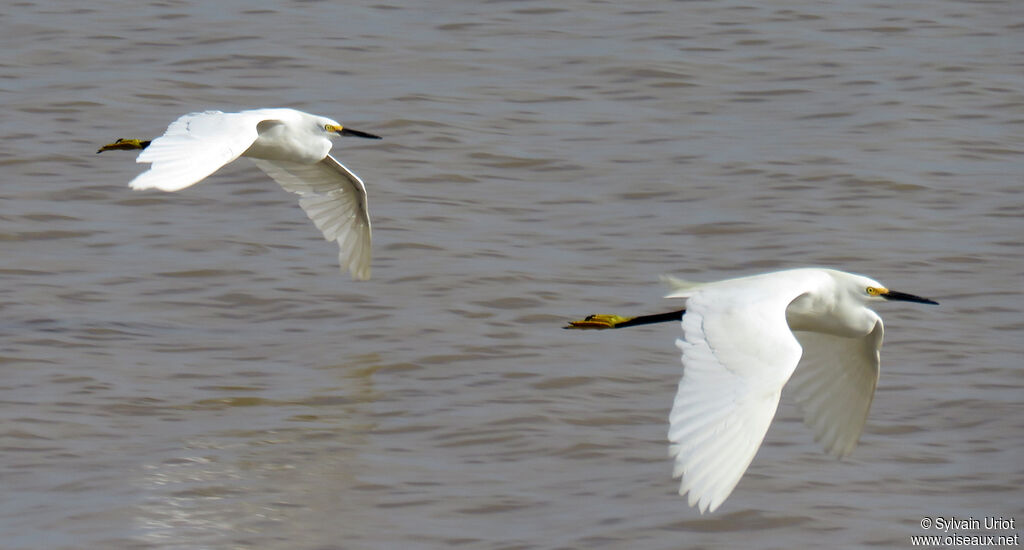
334 128
874 291
866 289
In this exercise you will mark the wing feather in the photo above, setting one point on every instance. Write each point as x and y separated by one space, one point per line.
737 354
834 385
193 147
335 199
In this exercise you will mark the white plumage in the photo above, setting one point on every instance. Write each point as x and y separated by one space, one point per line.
292 147
743 340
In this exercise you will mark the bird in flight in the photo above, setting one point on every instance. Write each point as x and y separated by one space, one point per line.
291 146
743 340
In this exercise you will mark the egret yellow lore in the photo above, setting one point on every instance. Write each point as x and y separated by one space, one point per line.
743 340
291 146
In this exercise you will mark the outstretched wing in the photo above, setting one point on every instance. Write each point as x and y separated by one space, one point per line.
835 384
195 146
335 199
738 353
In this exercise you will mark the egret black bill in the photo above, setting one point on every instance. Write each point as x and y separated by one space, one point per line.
356 133
896 296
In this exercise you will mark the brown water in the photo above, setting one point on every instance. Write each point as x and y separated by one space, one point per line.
191 370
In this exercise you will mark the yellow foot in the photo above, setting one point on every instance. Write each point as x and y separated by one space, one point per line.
125 145
598 322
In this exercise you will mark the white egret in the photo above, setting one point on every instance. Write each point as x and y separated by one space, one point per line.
292 147
742 341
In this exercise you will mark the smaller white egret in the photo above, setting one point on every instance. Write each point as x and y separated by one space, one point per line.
291 146
742 341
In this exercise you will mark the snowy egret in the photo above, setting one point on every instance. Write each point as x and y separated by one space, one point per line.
292 147
742 341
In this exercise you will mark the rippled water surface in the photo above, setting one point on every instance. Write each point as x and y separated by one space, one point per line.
191 370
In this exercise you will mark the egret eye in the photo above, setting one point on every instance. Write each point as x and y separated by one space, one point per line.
872 291
329 127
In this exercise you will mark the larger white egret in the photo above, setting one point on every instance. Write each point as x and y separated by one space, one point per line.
290 146
742 341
